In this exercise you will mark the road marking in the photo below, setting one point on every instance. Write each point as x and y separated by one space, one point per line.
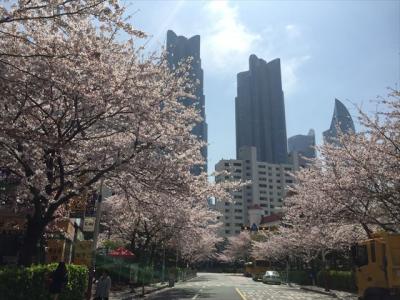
195 296
240 294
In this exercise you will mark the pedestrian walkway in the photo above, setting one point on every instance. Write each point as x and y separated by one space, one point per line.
129 293
333 293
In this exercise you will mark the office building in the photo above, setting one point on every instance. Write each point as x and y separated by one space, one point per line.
342 121
260 111
179 49
301 147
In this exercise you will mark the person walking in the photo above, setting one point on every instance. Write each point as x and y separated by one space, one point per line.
58 280
103 287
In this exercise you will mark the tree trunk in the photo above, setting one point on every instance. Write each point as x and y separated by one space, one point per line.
33 234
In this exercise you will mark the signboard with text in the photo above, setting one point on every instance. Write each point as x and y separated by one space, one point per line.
83 253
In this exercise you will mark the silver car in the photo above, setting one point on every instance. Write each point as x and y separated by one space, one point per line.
272 277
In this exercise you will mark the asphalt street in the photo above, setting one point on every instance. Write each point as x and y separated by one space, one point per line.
212 286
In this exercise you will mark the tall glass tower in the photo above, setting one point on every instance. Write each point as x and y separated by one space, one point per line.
180 48
341 121
260 111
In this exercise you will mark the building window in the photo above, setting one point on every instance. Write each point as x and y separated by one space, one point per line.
263 179
227 203
247 160
248 168
237 197
226 164
238 217
226 210
237 164
289 181
262 185
238 203
237 231
263 205
269 174
288 169
272 206
227 231
279 187
278 181
261 166
248 174
262 173
238 210
237 177
227 224
271 187
238 171
238 224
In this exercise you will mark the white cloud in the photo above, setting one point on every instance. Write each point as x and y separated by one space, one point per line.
226 39
290 69
227 43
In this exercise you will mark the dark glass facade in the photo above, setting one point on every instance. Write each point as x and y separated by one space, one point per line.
341 120
260 111
180 48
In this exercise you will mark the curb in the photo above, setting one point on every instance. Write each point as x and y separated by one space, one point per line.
319 291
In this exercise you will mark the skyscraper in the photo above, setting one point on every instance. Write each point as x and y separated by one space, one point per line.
180 48
260 111
301 147
341 120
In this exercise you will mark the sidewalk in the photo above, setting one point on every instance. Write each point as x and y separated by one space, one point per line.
333 293
128 293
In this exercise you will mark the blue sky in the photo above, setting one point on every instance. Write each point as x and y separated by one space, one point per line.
348 50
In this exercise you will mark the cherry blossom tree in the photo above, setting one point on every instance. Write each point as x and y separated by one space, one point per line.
348 192
147 218
80 103
238 248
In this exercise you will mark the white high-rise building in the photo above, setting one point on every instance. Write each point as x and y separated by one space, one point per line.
263 196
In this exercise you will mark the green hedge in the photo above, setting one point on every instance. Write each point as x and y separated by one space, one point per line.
29 283
297 276
338 280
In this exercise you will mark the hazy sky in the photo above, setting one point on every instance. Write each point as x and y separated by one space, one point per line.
348 50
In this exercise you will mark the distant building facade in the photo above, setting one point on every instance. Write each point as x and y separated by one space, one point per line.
301 147
263 197
260 111
341 120
180 48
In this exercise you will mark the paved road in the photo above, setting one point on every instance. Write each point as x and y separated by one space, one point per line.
213 286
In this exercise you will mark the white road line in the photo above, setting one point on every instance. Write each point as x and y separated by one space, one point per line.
195 296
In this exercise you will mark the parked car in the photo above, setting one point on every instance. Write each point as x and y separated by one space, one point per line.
272 277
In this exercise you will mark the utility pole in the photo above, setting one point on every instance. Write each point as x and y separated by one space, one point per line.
95 238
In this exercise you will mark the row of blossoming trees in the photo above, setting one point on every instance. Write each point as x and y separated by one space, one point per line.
346 194
81 104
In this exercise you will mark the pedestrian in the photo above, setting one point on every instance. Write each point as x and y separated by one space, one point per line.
103 287
58 280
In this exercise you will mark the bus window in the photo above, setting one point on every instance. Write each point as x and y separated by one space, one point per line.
373 255
361 256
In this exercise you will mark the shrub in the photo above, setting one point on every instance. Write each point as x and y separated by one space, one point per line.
338 280
30 283
297 276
